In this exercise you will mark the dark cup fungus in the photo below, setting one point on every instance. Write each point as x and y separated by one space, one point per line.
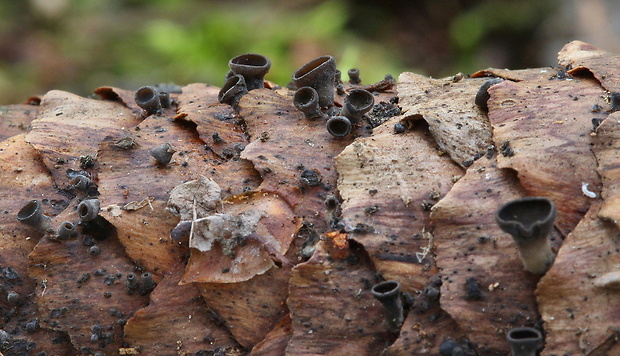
66 230
339 89
88 209
320 73
388 293
338 77
32 214
148 284
307 100
252 67
132 282
524 341
163 153
164 99
482 96
529 220
148 99
356 104
354 76
339 126
232 90
80 182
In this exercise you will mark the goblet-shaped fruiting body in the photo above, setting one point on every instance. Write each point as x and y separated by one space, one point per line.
529 220
253 68
320 74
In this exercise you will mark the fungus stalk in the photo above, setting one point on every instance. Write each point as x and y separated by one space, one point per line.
388 293
529 221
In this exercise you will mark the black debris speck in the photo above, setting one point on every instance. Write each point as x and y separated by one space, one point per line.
473 289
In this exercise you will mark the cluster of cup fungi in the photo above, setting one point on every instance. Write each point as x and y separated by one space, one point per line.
316 83
93 226
88 213
528 220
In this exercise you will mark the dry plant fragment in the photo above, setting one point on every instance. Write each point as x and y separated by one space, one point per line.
580 56
201 196
459 126
16 119
517 75
606 143
392 177
610 280
250 309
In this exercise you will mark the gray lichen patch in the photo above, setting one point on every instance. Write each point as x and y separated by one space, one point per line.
198 202
228 230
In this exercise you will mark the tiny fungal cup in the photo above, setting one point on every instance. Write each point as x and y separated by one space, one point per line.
163 153
339 126
388 293
307 100
88 209
320 74
357 103
529 220
80 182
66 230
482 96
524 341
148 99
253 68
132 282
232 90
148 284
354 76
32 214
164 99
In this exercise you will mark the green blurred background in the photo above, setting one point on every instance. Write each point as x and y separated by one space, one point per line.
79 45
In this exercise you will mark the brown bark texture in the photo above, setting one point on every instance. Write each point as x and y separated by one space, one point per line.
265 234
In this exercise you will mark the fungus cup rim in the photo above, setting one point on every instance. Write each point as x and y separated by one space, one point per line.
309 67
518 217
